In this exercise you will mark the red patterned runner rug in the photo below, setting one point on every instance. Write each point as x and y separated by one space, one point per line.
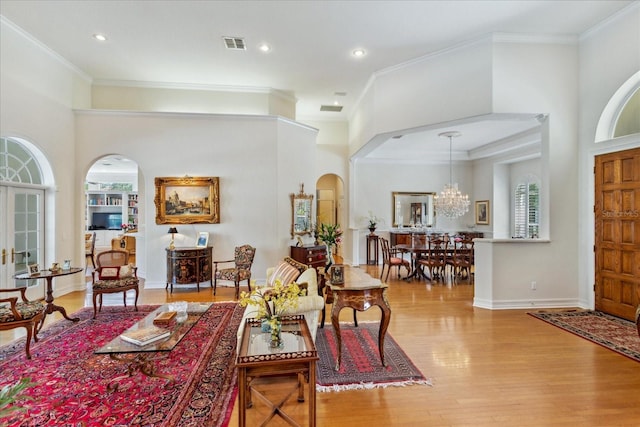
361 367
71 382
609 331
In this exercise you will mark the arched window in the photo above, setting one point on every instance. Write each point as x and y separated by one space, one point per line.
22 203
527 208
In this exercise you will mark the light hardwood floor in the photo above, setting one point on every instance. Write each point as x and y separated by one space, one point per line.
488 368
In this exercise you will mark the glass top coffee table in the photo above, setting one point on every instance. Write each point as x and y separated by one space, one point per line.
141 357
257 359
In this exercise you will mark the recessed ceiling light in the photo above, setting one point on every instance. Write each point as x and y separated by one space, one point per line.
100 37
264 47
358 53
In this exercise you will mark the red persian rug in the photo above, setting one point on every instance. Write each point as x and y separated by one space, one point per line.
70 382
609 331
361 367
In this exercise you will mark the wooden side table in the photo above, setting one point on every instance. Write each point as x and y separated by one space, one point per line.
296 359
360 292
372 252
188 265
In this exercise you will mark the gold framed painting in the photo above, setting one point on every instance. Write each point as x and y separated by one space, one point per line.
187 200
482 212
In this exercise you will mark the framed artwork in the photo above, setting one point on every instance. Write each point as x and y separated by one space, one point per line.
337 274
203 239
187 200
482 212
34 270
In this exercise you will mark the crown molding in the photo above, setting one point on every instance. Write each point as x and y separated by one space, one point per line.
46 49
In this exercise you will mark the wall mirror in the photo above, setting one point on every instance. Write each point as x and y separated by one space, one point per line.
412 209
301 222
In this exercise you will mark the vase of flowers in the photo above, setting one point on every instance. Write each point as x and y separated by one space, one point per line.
272 303
373 222
331 235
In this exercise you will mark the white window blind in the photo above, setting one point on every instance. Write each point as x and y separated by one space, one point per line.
527 210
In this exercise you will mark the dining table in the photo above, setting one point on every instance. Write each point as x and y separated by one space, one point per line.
416 251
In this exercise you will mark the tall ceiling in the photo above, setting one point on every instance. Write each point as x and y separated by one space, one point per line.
180 43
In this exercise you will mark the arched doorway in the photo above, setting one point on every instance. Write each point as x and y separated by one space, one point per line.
330 201
617 203
112 210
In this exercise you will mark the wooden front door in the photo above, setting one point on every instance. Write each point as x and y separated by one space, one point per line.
617 233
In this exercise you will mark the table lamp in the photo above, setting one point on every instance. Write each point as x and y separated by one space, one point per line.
173 232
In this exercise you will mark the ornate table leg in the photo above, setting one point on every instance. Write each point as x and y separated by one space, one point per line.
51 307
384 323
335 322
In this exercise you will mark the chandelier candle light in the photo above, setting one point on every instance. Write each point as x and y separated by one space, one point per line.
451 203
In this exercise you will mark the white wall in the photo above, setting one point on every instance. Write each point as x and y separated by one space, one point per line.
609 57
259 159
38 91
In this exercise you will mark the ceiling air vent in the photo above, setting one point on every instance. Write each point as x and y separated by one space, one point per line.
234 43
334 108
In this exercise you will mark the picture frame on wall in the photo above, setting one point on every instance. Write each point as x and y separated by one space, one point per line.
187 200
482 212
203 239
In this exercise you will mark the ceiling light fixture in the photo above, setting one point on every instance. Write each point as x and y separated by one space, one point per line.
264 47
451 203
100 37
359 53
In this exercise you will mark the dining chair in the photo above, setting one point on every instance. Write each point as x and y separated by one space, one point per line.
243 259
461 259
391 259
24 314
113 274
435 259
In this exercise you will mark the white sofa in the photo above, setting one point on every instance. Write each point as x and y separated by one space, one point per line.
308 305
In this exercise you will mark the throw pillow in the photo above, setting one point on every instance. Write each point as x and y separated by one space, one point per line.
126 271
285 272
300 266
109 273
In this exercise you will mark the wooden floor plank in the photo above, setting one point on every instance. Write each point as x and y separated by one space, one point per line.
488 368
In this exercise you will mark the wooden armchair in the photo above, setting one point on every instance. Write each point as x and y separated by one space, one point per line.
113 274
243 259
26 314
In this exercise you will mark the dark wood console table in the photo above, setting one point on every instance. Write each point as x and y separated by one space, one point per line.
188 265
313 256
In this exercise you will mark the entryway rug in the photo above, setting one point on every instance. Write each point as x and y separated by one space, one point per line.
609 331
71 382
361 367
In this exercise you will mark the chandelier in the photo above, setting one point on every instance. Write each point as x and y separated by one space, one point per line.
451 203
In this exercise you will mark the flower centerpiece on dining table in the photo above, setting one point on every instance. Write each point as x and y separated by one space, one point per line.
331 235
272 303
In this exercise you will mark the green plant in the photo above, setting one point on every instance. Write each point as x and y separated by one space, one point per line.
330 234
10 394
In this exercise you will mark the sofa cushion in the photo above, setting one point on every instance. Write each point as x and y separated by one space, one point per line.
284 272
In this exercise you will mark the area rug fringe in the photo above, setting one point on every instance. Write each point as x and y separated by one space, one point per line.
370 386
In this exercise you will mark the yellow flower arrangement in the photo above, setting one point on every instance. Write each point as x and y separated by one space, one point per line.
272 302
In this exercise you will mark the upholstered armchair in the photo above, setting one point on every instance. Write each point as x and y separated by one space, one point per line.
25 314
243 259
309 305
113 274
